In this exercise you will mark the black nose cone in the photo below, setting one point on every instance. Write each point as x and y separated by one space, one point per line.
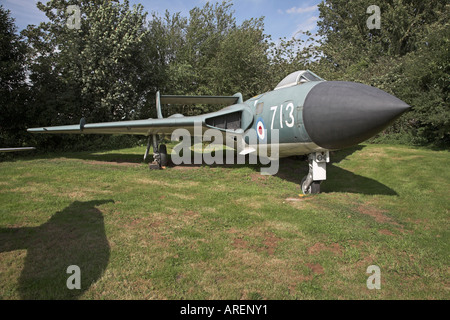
339 114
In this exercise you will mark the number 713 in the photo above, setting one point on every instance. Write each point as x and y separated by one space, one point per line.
290 121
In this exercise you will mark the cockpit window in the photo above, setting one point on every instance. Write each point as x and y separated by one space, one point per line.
311 77
297 78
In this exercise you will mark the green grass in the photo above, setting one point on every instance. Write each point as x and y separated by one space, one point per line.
224 232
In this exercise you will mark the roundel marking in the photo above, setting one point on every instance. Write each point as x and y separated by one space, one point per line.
260 129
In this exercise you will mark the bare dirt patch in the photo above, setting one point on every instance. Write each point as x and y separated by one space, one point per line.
300 198
240 243
319 247
315 267
270 243
293 199
302 202
257 177
185 167
380 217
385 232
377 214
115 163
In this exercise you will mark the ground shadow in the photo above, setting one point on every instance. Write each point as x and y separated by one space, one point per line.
291 169
73 236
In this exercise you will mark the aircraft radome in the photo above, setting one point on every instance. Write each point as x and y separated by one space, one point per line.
312 116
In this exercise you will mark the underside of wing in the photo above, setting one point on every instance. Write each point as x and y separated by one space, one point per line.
137 127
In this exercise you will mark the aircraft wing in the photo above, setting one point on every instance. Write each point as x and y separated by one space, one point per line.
16 149
231 118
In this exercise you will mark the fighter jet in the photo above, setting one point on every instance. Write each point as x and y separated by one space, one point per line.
312 116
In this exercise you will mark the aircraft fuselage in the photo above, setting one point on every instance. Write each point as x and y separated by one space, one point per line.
322 115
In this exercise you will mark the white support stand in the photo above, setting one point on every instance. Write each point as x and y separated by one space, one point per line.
317 172
318 165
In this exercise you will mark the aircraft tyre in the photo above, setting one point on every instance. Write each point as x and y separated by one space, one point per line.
163 160
314 188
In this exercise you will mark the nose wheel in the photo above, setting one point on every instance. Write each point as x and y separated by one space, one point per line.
312 188
317 161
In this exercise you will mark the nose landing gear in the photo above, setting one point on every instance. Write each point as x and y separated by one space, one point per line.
310 183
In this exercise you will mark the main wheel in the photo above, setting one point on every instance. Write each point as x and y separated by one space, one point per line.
163 158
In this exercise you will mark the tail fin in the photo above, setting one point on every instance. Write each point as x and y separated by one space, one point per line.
158 106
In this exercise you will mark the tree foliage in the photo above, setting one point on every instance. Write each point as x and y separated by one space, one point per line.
13 88
98 67
408 57
208 53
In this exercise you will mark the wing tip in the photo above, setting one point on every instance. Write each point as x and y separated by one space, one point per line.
34 130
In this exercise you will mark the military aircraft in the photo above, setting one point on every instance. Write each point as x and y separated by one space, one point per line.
312 116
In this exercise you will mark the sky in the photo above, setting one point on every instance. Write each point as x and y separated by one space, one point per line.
282 18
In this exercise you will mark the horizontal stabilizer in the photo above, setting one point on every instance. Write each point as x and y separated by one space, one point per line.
224 100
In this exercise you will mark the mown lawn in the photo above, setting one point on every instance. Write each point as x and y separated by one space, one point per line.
225 232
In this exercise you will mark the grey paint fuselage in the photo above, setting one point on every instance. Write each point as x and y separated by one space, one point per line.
293 140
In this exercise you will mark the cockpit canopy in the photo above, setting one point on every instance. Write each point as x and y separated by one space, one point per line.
297 78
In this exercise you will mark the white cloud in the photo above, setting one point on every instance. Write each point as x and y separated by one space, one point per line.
307 25
295 10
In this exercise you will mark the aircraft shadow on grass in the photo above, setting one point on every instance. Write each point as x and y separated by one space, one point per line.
291 169
338 179
74 236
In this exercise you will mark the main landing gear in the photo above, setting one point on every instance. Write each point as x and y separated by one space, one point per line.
160 158
310 183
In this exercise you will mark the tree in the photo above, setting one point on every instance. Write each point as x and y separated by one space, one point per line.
408 57
241 63
347 42
207 53
96 69
290 55
13 88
